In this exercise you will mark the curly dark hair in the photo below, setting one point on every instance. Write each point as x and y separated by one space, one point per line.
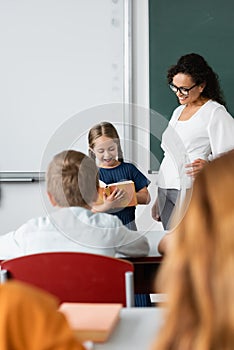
195 65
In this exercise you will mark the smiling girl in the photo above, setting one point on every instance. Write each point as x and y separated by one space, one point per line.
104 146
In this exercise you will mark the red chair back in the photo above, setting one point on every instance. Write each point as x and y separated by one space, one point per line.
73 277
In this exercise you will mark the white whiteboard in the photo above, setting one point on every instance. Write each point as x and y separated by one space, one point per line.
58 57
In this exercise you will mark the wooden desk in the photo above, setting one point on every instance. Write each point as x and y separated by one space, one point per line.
145 269
136 330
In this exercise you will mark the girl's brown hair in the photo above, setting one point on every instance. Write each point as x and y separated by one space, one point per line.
197 274
104 129
72 179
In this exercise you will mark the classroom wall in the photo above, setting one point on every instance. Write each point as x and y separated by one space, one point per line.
141 118
20 202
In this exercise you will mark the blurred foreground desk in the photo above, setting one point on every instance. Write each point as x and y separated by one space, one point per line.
136 329
145 269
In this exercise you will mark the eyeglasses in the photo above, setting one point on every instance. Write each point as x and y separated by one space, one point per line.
182 90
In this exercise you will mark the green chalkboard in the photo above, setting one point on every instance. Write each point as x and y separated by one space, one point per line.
179 27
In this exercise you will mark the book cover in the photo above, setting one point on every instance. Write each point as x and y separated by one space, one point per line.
91 321
128 187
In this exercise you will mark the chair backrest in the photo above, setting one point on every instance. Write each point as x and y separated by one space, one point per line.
75 277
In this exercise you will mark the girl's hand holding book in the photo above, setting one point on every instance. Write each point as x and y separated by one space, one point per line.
114 199
110 201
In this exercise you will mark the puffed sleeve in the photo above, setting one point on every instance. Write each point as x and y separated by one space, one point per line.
221 131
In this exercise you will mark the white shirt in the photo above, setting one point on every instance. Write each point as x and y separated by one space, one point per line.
210 131
74 229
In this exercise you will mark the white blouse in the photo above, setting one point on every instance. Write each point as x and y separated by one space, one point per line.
208 133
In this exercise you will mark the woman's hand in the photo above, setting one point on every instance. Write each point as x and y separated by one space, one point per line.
155 211
195 167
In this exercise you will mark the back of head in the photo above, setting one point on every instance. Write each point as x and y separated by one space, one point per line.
198 271
72 179
196 66
29 320
104 129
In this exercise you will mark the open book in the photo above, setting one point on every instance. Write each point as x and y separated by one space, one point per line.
128 187
91 321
